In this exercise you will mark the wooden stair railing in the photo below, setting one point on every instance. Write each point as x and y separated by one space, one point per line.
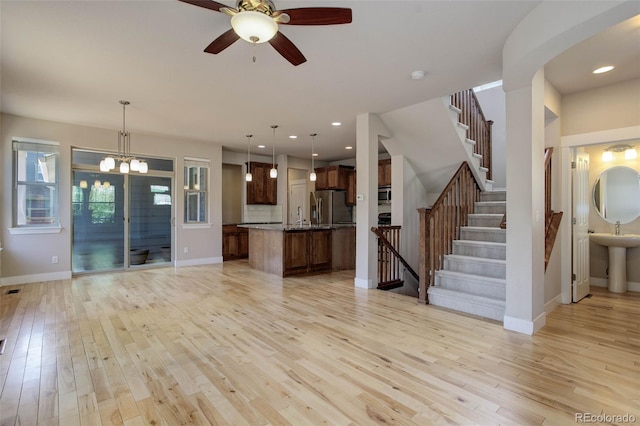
389 259
440 224
479 127
552 219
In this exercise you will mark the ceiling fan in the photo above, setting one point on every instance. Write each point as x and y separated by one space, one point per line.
256 21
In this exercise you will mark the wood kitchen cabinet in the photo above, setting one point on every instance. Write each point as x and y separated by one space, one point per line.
307 251
235 242
350 199
332 177
262 189
384 172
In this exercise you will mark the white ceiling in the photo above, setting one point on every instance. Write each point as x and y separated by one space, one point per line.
72 61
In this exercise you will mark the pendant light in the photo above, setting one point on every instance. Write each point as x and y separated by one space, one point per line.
273 173
127 161
312 176
248 177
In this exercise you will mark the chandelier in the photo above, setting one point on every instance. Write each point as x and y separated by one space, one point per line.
127 161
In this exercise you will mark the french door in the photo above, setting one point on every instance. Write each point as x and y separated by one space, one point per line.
121 221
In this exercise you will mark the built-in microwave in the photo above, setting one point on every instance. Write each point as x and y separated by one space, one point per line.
384 195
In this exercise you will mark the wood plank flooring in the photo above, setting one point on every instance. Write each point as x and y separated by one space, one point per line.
224 344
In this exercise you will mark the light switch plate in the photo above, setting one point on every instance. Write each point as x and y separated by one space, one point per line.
360 197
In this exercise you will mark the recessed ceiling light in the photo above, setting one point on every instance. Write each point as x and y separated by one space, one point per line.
603 69
348 147
336 123
261 146
293 137
315 154
417 75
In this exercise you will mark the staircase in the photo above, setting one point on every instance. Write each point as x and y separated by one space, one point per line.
473 277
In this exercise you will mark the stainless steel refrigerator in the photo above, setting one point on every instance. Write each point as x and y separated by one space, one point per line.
330 207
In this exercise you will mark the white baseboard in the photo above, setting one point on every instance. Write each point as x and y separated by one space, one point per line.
552 304
35 278
199 262
362 283
603 282
523 326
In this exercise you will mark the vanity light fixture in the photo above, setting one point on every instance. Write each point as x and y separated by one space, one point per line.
248 177
630 152
312 176
273 173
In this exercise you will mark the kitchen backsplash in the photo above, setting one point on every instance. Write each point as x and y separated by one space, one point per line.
256 213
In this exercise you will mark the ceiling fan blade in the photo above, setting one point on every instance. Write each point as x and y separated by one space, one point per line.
222 42
318 15
287 49
207 4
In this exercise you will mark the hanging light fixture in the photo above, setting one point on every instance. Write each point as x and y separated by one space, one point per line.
312 176
273 173
630 152
248 177
127 161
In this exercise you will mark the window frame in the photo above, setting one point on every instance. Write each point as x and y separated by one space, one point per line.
19 197
199 192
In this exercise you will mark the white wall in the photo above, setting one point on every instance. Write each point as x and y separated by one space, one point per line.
492 102
609 107
28 257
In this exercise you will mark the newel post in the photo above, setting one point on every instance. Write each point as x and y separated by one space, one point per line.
423 270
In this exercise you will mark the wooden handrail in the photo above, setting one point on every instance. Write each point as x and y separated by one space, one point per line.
383 239
440 224
479 126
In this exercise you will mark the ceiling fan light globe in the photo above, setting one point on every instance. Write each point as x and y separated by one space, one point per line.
254 27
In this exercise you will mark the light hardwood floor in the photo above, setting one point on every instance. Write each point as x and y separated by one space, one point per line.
224 344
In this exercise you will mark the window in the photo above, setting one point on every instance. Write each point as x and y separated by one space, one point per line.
35 196
196 184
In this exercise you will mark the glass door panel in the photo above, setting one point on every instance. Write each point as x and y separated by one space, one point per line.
150 200
98 221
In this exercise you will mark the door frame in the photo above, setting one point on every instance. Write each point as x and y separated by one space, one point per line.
568 143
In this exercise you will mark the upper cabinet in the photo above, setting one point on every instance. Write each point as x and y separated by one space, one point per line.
351 188
262 189
332 177
384 172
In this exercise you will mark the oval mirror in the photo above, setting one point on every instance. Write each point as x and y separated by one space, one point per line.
616 194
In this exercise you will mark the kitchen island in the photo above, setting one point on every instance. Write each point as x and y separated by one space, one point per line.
286 250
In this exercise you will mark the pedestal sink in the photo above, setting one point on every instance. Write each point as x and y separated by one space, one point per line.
617 245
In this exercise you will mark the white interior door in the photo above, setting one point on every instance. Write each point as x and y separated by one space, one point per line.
298 197
581 199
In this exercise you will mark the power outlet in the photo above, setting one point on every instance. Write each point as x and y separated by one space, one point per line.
185 250
54 259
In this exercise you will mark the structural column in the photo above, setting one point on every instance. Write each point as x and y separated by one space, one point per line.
525 207
369 128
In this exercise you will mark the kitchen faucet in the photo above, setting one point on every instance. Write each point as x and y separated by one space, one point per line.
618 227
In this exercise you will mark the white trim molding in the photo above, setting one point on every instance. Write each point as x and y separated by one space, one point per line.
199 262
523 326
35 278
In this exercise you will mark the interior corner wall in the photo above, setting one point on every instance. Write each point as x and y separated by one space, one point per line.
493 106
610 107
552 276
29 256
